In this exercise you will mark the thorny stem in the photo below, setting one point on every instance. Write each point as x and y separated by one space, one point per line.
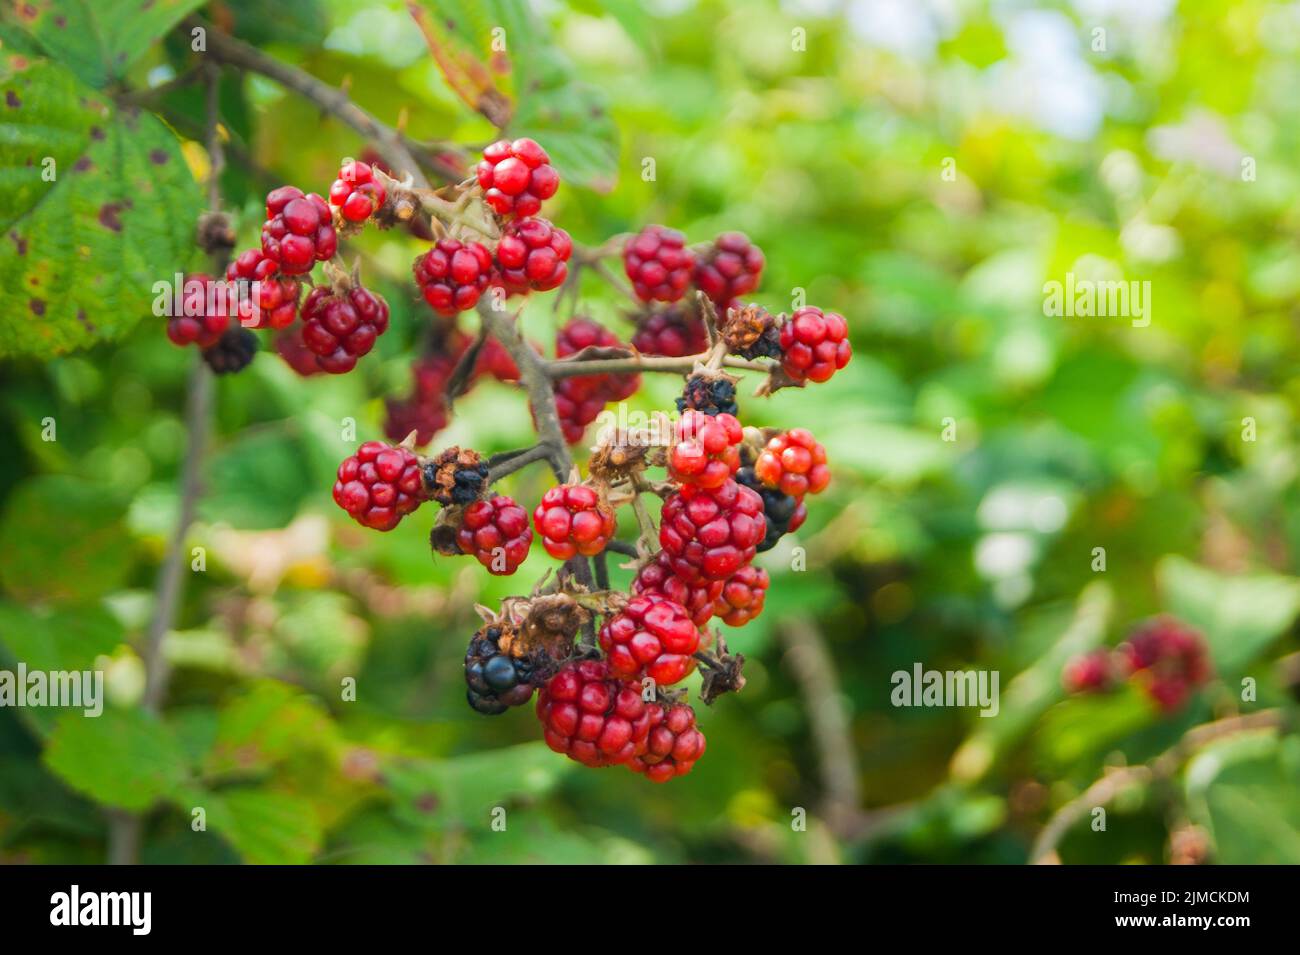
1162 767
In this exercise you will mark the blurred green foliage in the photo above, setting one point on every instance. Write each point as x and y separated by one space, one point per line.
922 168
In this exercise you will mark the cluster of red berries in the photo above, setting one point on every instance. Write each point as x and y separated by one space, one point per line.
790 466
201 315
590 715
579 399
729 492
671 333
379 485
357 193
659 264
573 519
1164 656
516 177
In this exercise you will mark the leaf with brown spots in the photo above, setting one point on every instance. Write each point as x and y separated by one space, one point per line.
93 218
99 39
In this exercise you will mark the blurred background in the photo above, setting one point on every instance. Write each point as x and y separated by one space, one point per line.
923 168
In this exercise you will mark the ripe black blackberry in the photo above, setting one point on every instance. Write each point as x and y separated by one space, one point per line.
709 395
496 680
779 509
233 351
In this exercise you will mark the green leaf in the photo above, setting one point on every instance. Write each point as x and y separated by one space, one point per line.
465 789
304 22
125 758
96 206
266 828
1243 790
99 39
270 721
569 118
59 639
1239 615
63 539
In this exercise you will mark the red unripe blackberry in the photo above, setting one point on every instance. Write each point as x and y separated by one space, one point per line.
1168 659
658 577
1088 673
781 512
288 342
402 416
532 255
794 463
814 344
516 177
713 533
452 275
297 233
742 596
572 520
496 533
379 485
590 716
577 404
671 746
658 263
651 636
671 333
341 327
730 268
425 411
357 192
200 313
582 333
707 452
494 360
269 299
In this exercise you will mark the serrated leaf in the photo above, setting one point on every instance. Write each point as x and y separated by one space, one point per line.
1239 615
98 39
83 554
265 828
125 758
96 206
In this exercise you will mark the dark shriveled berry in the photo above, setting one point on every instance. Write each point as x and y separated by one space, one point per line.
233 351
712 396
